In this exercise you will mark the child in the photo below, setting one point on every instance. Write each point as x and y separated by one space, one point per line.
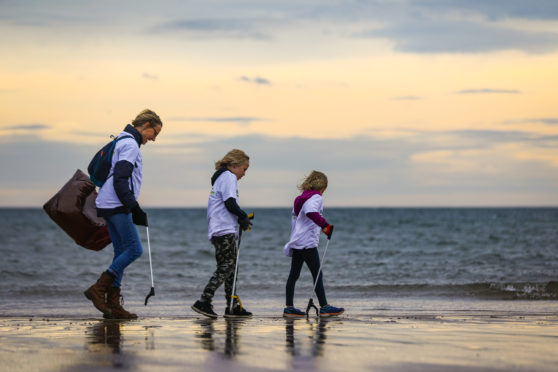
223 217
303 244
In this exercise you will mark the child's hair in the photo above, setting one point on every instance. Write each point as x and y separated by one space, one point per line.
315 181
233 157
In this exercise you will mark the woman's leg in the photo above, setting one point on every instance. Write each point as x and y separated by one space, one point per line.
312 259
296 265
117 245
126 242
225 257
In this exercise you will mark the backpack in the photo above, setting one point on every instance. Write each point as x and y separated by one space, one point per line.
99 167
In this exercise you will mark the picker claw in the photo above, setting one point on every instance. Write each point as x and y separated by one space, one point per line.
235 297
151 293
310 305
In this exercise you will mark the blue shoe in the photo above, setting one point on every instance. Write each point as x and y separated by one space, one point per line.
292 312
328 310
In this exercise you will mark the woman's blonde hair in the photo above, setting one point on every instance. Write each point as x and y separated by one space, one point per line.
147 116
315 181
233 157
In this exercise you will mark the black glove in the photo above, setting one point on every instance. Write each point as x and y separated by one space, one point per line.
246 221
139 216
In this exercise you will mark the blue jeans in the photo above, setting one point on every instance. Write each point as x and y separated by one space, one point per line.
312 259
126 243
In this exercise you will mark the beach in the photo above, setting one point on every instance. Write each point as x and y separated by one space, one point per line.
427 341
423 290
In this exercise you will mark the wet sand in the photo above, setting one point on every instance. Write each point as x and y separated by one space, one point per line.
468 341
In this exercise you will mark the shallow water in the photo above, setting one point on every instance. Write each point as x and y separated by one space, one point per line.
376 256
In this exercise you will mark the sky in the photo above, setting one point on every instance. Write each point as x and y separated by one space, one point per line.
401 103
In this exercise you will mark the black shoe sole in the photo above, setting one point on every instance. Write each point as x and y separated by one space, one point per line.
236 316
213 316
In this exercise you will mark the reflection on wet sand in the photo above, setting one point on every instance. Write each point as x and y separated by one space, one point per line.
212 340
104 335
104 339
205 336
232 344
316 333
455 341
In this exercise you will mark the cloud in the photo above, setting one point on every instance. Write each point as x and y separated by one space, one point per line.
150 76
363 153
29 162
498 9
31 127
490 91
546 121
215 27
87 133
438 35
364 170
414 26
406 98
491 137
241 120
257 80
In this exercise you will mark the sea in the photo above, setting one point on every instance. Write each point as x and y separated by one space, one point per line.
393 261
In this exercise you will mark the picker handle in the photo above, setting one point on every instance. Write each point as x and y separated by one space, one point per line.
149 251
321 264
311 301
233 295
152 291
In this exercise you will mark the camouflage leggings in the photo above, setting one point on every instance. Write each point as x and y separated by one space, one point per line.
225 254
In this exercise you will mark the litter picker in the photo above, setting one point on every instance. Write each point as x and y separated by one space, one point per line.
311 301
234 295
152 291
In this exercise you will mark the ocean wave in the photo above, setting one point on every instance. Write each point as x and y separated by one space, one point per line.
480 291
485 291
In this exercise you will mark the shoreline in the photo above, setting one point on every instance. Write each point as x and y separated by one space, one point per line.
462 341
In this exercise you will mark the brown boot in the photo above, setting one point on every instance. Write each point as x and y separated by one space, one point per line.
96 293
113 302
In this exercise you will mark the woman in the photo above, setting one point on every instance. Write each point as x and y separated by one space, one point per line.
117 204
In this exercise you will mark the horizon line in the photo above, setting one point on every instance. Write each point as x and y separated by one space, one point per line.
335 207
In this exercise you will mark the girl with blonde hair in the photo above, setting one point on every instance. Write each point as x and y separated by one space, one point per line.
223 218
307 221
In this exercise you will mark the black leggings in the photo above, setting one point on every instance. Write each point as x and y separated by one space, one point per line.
312 259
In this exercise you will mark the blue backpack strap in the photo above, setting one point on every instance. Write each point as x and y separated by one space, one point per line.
114 145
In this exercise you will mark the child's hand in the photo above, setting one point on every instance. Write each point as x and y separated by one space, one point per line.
246 222
328 230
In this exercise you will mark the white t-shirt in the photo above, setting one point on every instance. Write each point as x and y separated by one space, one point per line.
304 232
219 220
125 149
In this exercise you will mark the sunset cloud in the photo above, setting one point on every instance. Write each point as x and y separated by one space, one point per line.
400 102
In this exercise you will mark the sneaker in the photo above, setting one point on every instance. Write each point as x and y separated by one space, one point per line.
204 308
237 312
292 312
328 310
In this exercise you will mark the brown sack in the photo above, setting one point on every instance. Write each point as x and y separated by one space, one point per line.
73 209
